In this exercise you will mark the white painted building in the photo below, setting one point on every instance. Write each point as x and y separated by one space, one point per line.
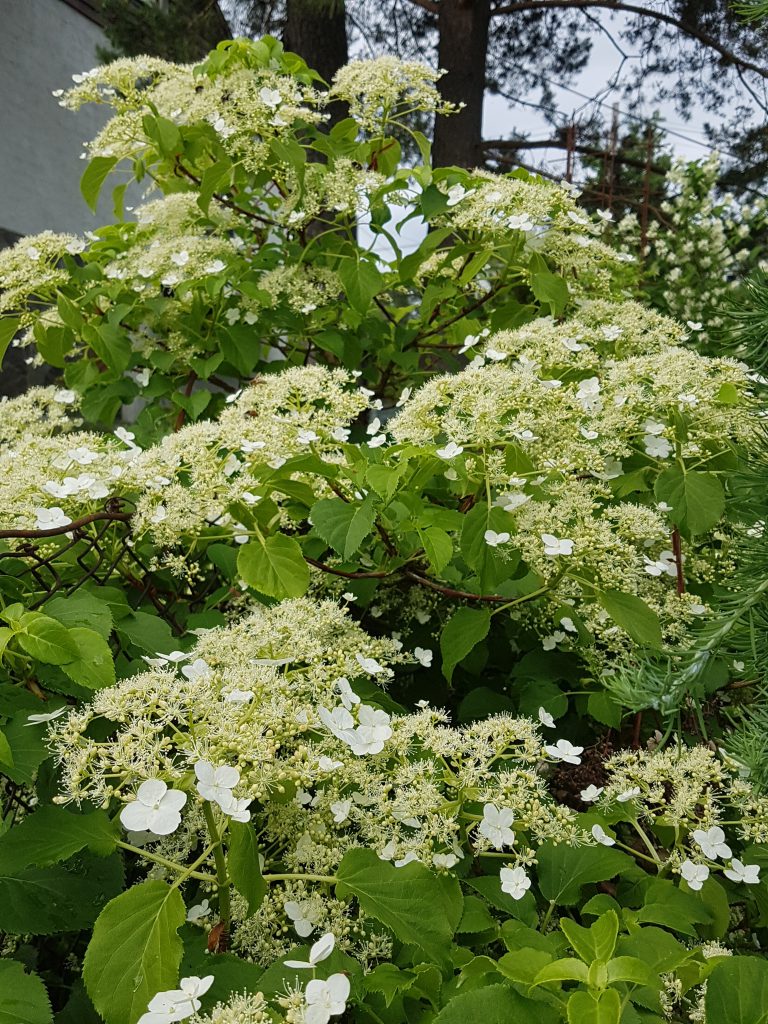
42 44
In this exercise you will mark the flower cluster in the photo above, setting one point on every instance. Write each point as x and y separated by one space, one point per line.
243 719
386 90
699 250
698 795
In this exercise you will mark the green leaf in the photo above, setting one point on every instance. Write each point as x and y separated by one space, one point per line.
275 567
438 547
135 951
633 615
46 639
596 942
52 834
148 632
230 973
495 1004
361 281
215 178
567 969
584 1008
737 991
489 886
243 864
633 971
81 609
604 709
93 667
491 564
58 898
422 909
28 749
8 327
476 917
6 754
697 499
550 289
23 997
342 524
464 630
94 177
563 869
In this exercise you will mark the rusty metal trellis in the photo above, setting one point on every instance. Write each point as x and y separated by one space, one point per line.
100 545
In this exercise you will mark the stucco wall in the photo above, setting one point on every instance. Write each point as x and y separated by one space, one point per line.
42 43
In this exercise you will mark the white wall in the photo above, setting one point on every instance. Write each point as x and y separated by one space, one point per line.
42 43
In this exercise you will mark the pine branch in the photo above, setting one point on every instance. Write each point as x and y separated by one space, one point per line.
729 56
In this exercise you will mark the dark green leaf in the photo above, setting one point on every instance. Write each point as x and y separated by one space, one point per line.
495 1004
633 615
53 834
464 630
94 177
421 909
243 864
342 524
737 991
93 667
564 869
47 640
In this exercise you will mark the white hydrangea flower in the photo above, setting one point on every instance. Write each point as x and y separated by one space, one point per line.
493 539
43 717
495 826
326 999
216 784
450 451
564 750
198 912
423 655
747 873
51 518
694 874
628 794
712 842
601 836
554 546
340 810
319 951
155 809
546 719
514 882
591 793
301 916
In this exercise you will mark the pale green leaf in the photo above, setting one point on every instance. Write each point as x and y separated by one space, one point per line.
135 951
23 997
274 567
343 525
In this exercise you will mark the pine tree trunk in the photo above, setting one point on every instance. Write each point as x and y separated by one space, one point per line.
462 50
317 31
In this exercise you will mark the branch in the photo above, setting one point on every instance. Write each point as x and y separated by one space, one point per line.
702 37
427 5
576 148
465 595
347 575
57 531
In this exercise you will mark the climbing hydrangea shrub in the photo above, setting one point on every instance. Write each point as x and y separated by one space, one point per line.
366 609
